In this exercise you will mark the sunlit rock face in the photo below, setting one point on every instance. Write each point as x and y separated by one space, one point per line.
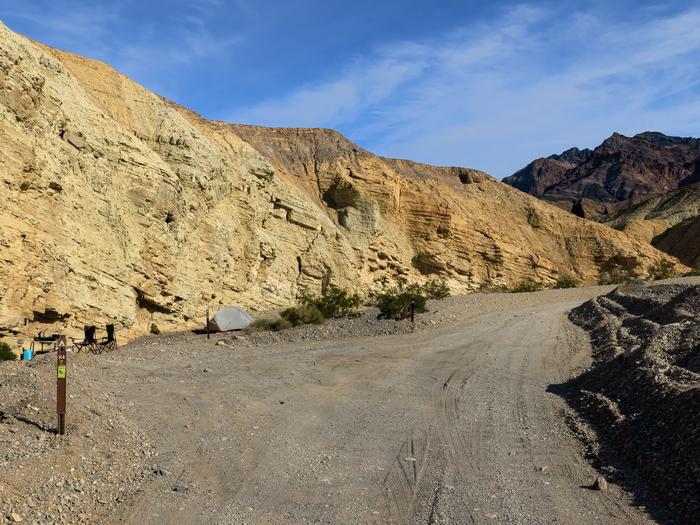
120 206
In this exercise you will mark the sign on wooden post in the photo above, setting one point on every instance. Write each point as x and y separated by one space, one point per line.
61 373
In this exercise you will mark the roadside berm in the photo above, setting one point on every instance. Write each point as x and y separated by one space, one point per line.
643 390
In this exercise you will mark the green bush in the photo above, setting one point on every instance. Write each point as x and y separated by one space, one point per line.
489 287
267 325
6 353
333 302
661 269
395 303
304 314
260 325
527 286
154 329
436 289
281 324
616 269
566 281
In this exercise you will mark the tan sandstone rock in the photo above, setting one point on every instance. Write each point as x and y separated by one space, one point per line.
121 206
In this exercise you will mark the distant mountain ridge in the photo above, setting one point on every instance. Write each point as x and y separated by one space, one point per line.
647 186
619 169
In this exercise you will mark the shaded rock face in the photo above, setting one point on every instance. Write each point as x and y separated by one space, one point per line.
120 206
682 241
620 169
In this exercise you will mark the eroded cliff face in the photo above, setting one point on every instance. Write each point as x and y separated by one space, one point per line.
121 206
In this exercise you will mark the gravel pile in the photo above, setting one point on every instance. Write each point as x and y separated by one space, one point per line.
643 391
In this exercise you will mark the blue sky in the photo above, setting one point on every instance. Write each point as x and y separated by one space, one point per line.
490 85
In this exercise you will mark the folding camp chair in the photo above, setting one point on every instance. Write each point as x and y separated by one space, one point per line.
107 343
89 342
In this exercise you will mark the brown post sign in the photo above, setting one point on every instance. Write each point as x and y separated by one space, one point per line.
61 373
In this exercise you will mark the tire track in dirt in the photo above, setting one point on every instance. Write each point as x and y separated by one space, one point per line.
496 453
454 426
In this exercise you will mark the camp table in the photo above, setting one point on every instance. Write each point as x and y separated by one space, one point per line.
45 340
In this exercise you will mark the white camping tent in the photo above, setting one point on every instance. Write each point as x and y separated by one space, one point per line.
230 318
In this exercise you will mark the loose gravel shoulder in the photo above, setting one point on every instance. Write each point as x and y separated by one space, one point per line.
643 390
77 478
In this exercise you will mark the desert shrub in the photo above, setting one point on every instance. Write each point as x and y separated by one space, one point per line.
616 269
304 314
436 289
260 325
490 287
695 272
154 329
395 303
661 269
281 324
266 325
566 281
6 353
527 286
333 302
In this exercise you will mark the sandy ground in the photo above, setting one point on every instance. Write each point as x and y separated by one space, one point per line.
452 423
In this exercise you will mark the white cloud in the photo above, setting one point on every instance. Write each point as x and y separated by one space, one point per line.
496 95
360 87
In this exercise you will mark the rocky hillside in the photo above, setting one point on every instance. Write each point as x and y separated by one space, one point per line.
671 222
543 173
620 169
121 206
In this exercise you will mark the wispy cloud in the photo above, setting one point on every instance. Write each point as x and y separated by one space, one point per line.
494 95
340 100
68 23
148 49
194 41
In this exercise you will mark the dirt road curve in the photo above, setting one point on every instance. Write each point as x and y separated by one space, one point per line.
452 426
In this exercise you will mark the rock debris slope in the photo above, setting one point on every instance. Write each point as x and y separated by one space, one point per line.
121 206
643 391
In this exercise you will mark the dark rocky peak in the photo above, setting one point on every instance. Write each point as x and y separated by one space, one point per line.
621 168
573 155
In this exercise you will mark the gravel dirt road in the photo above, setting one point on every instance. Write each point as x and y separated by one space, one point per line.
449 426
453 423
